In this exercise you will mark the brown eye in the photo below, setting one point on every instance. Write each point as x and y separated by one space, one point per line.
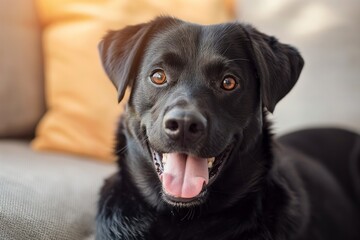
228 83
158 77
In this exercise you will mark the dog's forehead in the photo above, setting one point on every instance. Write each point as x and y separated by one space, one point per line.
194 41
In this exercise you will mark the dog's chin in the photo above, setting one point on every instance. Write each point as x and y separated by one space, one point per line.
185 178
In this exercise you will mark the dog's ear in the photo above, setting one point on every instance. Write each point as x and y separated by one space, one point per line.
278 66
121 51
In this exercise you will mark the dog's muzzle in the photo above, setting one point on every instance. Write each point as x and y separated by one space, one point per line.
184 175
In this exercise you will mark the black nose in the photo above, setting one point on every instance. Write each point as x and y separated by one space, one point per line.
182 124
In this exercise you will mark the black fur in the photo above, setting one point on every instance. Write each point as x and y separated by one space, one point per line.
264 190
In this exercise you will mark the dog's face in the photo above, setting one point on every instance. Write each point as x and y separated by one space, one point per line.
197 96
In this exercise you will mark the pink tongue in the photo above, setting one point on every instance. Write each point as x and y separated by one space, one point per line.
184 175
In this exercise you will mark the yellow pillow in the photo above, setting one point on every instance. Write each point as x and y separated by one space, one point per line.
82 103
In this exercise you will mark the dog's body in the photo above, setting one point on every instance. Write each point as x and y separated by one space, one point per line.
196 158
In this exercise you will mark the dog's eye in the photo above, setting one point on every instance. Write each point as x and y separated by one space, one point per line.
158 77
229 83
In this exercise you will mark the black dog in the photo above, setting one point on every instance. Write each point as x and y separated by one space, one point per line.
196 158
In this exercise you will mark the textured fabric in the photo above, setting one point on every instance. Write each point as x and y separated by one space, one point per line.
82 102
21 83
47 196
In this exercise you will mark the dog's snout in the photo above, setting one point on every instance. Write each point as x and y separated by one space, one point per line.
180 124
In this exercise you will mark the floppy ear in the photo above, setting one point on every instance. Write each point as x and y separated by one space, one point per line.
278 66
121 51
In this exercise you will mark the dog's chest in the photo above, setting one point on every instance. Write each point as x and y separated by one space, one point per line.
189 227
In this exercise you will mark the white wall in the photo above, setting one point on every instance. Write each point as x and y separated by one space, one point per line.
327 33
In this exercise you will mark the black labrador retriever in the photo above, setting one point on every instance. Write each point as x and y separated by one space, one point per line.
196 156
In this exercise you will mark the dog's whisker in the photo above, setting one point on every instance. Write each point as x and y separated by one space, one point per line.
238 59
122 150
193 212
185 217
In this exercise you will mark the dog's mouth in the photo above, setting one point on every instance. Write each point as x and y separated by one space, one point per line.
184 177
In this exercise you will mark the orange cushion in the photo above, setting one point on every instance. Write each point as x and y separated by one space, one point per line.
82 103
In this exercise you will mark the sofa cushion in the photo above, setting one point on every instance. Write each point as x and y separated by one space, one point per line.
21 82
47 196
82 102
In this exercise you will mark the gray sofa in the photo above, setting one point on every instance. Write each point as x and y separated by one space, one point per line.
47 195
42 195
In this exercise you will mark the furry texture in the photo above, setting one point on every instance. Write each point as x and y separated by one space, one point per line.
263 190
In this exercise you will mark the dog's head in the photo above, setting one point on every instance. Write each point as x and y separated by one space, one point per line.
197 96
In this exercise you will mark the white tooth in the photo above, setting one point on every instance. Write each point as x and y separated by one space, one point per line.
210 162
164 158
